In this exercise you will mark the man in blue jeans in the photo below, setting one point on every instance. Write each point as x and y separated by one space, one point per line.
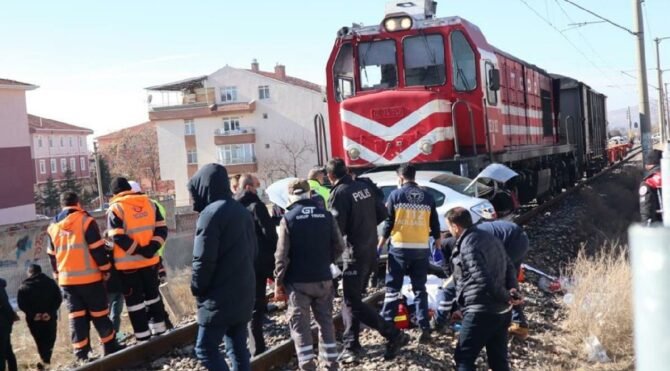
412 220
486 289
223 278
516 245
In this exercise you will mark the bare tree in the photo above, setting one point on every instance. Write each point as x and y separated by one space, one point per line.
135 154
286 159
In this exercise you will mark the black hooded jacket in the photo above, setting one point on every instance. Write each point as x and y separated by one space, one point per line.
7 313
39 294
224 249
266 234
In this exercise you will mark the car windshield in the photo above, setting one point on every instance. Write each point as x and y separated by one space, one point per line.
459 183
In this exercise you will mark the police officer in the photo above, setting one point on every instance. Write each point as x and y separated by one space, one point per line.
80 264
309 241
138 231
358 211
650 189
412 220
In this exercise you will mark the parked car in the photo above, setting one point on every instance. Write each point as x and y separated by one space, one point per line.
448 190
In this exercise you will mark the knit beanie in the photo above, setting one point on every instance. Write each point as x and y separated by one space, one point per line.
119 184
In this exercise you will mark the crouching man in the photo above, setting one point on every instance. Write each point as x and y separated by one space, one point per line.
486 289
309 241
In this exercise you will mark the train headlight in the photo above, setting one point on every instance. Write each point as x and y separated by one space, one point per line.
354 153
426 147
398 24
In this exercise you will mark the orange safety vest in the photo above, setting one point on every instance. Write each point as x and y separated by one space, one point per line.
139 221
75 264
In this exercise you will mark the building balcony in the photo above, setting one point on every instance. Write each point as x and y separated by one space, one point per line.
238 136
200 109
241 167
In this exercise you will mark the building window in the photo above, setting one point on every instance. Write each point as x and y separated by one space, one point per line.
71 141
39 141
231 125
51 142
265 116
189 127
264 92
62 141
229 94
82 163
81 141
73 164
54 166
43 167
231 154
63 165
192 157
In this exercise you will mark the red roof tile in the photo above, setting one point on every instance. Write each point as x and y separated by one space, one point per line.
290 80
36 122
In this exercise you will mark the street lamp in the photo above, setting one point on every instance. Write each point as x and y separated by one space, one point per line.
661 101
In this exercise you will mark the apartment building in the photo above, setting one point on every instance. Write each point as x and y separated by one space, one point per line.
16 164
57 147
248 120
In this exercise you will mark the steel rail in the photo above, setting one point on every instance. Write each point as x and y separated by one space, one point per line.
140 354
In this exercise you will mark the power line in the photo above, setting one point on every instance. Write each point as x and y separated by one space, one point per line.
566 39
581 35
601 17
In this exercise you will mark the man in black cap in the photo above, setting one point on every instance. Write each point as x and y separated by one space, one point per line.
39 298
650 189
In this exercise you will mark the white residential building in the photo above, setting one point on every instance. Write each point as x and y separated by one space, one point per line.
248 120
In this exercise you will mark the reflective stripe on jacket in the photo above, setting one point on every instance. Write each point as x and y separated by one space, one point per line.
139 221
161 209
76 265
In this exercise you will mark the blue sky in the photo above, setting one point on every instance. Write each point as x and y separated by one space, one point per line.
93 59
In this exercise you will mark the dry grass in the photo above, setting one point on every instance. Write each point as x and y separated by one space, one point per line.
602 304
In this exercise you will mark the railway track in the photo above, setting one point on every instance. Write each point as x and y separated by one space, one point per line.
282 353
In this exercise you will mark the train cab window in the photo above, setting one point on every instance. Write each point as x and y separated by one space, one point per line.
463 63
424 60
377 64
343 70
491 93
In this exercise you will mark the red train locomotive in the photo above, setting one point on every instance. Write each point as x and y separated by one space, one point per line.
434 92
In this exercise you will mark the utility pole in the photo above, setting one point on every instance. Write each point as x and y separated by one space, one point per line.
661 101
98 173
645 125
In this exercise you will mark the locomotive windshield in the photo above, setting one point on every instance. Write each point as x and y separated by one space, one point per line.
377 64
424 60
463 62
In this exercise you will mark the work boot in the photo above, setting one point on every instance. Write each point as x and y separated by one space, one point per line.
394 345
350 354
82 354
425 337
519 330
112 347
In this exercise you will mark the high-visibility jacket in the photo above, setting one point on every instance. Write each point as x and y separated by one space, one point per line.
139 221
74 261
322 191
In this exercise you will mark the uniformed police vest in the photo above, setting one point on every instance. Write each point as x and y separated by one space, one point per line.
139 221
310 255
73 256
